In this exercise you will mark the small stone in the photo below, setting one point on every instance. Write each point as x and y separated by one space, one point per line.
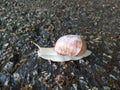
27 87
5 45
75 86
104 80
8 66
112 76
72 73
6 82
55 66
4 79
56 88
59 78
99 68
83 82
82 61
83 85
110 51
35 72
106 88
16 77
116 69
81 77
95 88
107 55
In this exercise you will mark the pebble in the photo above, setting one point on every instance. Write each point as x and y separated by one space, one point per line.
113 77
56 88
35 73
8 66
95 88
106 88
75 86
104 79
4 79
83 84
107 55
99 68
116 69
5 45
16 77
81 77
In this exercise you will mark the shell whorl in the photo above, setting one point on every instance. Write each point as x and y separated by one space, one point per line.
70 45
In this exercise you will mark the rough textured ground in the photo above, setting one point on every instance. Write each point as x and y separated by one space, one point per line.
44 21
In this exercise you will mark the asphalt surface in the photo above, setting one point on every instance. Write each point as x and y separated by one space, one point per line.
44 21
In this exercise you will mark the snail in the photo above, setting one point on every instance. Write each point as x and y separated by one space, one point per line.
68 47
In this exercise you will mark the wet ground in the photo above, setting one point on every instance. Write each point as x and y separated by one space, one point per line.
44 21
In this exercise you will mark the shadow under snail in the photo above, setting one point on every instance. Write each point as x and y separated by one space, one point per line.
68 47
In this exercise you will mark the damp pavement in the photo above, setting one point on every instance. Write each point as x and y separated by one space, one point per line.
44 21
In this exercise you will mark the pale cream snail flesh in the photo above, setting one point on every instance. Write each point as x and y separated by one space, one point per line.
68 47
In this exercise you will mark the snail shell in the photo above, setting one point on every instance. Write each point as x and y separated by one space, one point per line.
68 47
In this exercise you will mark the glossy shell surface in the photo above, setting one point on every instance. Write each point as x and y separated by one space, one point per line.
70 45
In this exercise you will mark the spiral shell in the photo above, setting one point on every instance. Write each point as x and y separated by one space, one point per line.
70 45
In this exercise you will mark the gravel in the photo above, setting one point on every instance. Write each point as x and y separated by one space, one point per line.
44 21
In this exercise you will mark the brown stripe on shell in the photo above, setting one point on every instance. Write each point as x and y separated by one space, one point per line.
70 45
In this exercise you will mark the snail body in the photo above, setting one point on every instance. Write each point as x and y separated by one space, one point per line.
68 47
